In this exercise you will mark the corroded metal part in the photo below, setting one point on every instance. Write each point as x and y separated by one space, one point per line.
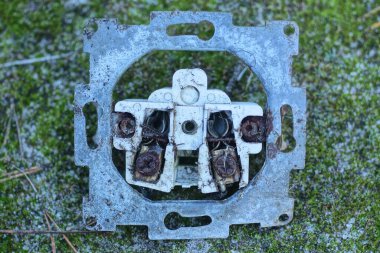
267 50
149 163
125 125
253 129
226 167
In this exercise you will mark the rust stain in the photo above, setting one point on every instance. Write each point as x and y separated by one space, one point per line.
225 165
148 163
269 122
272 150
125 125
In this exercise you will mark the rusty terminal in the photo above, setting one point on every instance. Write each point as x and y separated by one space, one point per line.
253 129
226 165
148 163
126 125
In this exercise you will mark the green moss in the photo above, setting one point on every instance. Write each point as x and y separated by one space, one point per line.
337 194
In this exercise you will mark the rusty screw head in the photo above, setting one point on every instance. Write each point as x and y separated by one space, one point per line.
226 165
127 126
148 163
252 130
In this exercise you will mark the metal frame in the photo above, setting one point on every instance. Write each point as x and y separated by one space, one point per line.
267 50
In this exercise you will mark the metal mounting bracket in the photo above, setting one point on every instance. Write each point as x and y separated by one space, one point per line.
267 50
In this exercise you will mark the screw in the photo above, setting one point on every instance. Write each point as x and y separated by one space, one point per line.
148 163
249 128
226 165
127 126
253 129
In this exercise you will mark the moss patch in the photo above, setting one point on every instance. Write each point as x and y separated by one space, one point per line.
337 194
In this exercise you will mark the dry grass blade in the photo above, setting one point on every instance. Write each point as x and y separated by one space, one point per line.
48 232
64 236
19 173
7 131
53 248
34 60
15 117
372 12
30 181
239 70
375 25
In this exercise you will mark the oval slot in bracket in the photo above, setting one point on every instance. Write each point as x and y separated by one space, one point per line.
286 141
204 30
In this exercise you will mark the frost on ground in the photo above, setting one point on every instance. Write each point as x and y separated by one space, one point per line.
337 194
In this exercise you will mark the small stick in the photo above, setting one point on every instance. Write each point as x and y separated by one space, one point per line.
47 232
7 131
375 25
27 178
372 12
238 69
31 170
15 174
34 60
64 236
18 130
53 249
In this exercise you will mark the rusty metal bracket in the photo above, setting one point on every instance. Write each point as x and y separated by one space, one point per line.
267 50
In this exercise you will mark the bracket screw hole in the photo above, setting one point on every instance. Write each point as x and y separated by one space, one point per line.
289 30
283 217
91 221
91 28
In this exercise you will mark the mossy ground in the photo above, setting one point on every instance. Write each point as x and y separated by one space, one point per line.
337 194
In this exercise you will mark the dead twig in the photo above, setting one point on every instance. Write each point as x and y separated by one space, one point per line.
371 12
375 25
34 60
237 74
27 178
18 130
15 174
6 135
47 232
64 236
53 248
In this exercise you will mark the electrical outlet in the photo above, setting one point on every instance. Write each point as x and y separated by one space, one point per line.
188 135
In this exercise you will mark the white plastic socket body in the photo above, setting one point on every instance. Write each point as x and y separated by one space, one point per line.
188 100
